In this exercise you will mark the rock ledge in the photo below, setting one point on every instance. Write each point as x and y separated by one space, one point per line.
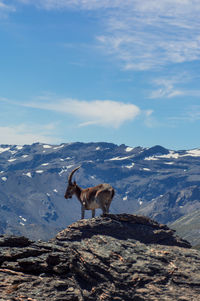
115 257
123 226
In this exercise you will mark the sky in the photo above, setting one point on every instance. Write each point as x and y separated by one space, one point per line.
125 72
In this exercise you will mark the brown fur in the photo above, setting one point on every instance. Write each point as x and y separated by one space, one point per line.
91 198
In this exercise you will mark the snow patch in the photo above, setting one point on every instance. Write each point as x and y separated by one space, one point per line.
58 147
171 155
24 156
146 169
193 153
64 169
55 190
39 171
28 174
19 147
174 155
130 166
151 158
2 149
140 201
13 152
119 158
69 166
22 218
129 149
47 146
125 198
98 148
12 160
4 179
45 164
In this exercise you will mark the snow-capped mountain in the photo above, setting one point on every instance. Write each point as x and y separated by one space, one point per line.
161 183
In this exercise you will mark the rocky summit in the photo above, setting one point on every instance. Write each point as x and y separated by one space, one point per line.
115 257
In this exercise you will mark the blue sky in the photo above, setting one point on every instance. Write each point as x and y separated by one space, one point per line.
110 70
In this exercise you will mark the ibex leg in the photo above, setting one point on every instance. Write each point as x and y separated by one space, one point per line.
107 209
108 206
93 213
104 209
82 212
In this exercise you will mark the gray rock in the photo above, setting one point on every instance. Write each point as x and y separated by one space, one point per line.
102 259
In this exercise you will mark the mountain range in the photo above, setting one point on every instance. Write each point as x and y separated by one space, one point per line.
156 182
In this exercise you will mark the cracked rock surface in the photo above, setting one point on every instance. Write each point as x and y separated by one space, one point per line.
115 257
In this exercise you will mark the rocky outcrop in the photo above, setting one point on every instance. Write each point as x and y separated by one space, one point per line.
123 226
116 257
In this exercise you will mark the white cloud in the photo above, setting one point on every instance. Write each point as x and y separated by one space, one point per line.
77 4
98 112
5 8
24 134
152 34
167 87
149 119
142 34
3 5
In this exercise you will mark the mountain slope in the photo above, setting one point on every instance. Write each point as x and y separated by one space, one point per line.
188 227
172 205
33 180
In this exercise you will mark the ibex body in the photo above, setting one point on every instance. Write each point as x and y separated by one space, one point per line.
90 198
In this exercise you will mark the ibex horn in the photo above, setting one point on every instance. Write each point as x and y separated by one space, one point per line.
71 174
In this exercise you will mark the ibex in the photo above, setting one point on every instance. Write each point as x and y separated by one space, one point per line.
90 198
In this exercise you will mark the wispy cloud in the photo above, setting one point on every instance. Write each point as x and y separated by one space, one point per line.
190 114
5 8
106 113
26 134
166 88
145 34
76 4
149 119
193 113
174 86
151 34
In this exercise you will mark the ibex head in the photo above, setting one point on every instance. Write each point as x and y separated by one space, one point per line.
71 188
